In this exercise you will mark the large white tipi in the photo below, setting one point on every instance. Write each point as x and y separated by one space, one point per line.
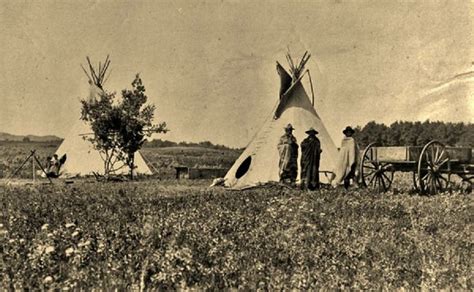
82 159
258 164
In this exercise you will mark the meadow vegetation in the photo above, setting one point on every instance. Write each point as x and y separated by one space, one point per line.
163 160
180 234
168 234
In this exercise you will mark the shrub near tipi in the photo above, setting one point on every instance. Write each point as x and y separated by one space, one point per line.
82 158
258 164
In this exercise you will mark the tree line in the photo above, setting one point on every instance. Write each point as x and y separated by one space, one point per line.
159 143
400 133
404 133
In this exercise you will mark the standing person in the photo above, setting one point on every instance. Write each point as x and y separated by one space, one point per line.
288 150
310 157
346 166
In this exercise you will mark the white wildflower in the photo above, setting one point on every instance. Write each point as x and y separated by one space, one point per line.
49 249
85 243
45 226
48 280
69 251
100 247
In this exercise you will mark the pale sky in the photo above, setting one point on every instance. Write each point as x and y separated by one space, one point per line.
209 66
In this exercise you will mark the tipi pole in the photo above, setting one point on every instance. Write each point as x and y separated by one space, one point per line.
303 61
86 134
311 84
34 174
290 62
44 171
93 74
107 78
87 74
104 68
21 166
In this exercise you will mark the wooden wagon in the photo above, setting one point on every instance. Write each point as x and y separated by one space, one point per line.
432 166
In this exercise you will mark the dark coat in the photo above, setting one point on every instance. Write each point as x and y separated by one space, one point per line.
310 158
288 149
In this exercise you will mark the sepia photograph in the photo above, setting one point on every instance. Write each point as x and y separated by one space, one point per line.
236 145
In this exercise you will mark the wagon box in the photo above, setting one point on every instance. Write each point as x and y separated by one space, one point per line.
397 153
412 153
432 166
460 154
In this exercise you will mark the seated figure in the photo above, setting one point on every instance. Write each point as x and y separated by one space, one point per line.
53 166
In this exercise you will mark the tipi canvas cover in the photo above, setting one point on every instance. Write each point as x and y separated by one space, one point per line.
259 162
83 159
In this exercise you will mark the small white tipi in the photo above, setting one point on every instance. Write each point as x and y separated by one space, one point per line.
258 164
82 158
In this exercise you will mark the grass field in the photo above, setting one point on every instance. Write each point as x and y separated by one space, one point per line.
168 234
13 154
172 234
163 160
160 160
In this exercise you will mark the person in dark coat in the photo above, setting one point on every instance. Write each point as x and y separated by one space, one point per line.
310 157
288 150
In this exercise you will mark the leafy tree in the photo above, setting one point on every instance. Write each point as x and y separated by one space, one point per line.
370 133
404 133
120 127
137 121
467 139
393 135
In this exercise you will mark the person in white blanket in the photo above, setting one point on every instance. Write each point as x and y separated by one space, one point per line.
346 165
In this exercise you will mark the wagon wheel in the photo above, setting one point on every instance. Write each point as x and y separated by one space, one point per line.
433 159
375 174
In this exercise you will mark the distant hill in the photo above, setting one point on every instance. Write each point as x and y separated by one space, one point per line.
30 138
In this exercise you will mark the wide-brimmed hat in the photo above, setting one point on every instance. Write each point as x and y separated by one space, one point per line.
311 131
289 127
348 129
